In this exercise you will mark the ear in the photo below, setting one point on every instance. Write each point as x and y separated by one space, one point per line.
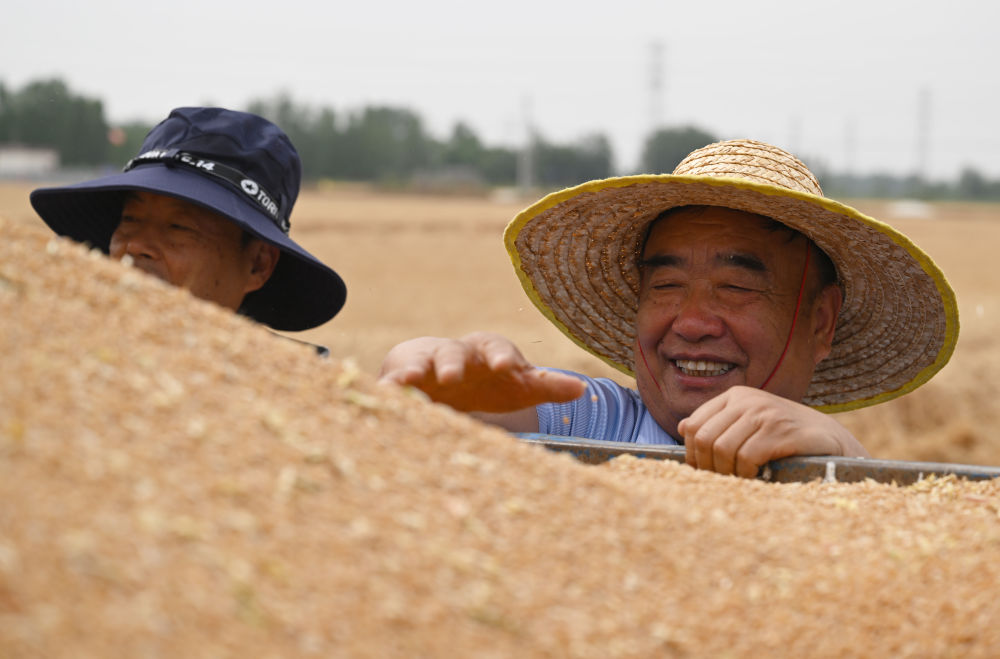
826 309
263 259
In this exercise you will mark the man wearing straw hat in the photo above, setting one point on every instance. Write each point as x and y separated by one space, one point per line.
206 206
744 303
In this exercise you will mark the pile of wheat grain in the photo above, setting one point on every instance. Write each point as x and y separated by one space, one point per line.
175 481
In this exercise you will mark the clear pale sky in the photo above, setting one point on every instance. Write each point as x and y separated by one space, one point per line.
865 85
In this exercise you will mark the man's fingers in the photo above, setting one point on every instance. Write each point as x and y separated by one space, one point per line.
727 448
409 373
704 413
748 459
450 360
714 446
747 428
402 376
714 433
410 361
481 372
697 438
733 452
516 390
497 351
552 387
699 454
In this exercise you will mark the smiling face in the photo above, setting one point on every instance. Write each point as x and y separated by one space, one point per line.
191 247
717 298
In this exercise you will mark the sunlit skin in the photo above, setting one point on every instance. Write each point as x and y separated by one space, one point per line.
191 247
720 286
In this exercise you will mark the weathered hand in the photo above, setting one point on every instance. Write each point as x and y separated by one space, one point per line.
480 372
744 428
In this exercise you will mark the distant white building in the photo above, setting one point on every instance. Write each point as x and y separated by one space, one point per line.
27 161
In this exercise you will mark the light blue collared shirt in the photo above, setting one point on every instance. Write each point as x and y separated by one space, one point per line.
607 411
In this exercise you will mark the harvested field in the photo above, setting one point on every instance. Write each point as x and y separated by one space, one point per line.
178 482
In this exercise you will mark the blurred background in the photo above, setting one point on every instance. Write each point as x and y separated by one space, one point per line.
880 99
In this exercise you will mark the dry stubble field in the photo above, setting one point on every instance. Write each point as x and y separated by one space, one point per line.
435 265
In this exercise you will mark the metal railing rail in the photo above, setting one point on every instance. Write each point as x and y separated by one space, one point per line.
785 470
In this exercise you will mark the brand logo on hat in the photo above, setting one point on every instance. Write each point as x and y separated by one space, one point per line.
249 187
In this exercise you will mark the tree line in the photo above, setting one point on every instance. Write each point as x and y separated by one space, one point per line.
384 144
391 145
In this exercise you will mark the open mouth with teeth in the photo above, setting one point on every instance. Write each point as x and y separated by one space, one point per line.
702 369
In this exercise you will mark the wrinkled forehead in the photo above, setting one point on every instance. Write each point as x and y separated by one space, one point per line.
716 223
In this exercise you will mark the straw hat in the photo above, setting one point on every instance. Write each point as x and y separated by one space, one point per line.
575 254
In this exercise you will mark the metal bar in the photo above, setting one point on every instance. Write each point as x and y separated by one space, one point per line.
785 470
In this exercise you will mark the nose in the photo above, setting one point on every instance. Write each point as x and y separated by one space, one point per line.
136 239
697 318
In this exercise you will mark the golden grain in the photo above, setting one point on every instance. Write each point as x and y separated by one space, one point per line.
176 481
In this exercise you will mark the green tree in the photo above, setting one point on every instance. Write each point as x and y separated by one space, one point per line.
328 143
463 148
46 114
665 148
567 164
499 166
971 184
385 144
308 130
6 116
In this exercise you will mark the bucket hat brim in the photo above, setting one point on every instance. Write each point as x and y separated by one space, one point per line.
301 293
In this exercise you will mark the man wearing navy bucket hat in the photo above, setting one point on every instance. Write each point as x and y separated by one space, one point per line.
206 205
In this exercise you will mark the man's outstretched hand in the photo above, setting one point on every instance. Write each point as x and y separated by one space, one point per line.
480 372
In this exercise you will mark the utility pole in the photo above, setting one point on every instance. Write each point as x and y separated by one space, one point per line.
655 86
526 158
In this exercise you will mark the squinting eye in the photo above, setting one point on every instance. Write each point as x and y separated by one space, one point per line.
735 289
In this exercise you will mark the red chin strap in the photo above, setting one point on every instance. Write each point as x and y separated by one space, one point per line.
648 369
788 341
795 316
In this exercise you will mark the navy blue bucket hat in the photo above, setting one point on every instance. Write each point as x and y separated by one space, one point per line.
232 163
